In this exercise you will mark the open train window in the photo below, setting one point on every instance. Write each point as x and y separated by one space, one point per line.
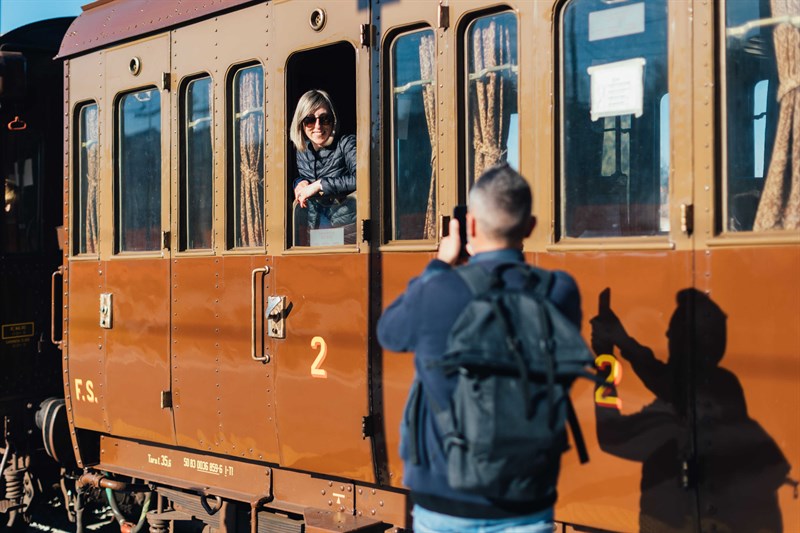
197 166
138 171
760 174
412 189
492 71
328 217
87 174
246 170
614 119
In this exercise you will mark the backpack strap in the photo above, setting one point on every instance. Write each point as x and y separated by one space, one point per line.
577 434
476 277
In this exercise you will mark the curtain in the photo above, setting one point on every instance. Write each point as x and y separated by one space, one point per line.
779 207
491 48
251 147
92 162
427 66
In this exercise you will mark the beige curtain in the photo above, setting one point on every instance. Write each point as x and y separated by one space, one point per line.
491 48
92 171
251 148
779 207
427 66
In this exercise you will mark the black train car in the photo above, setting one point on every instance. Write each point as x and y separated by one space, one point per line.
31 159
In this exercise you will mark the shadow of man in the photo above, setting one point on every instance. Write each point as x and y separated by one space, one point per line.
703 458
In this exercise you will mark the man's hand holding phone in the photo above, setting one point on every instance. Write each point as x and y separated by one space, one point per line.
452 248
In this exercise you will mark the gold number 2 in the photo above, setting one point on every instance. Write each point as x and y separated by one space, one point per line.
605 395
316 371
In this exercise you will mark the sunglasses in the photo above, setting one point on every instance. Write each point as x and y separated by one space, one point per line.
324 120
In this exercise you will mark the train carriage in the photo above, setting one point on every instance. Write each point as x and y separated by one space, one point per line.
31 148
219 347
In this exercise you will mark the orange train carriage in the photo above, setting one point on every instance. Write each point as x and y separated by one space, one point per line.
218 350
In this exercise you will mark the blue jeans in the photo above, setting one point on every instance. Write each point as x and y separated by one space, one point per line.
426 521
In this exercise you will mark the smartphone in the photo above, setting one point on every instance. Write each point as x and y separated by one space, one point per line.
460 214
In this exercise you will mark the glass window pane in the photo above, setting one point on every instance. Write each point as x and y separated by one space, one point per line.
414 135
139 172
615 113
248 158
197 180
760 175
492 118
88 174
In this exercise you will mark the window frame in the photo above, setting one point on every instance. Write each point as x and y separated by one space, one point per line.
390 178
229 235
77 189
117 171
182 153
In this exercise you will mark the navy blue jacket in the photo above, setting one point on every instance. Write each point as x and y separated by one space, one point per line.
335 165
419 321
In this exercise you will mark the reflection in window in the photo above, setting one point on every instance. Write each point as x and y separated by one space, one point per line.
414 135
762 176
492 119
139 172
88 173
615 130
248 157
197 179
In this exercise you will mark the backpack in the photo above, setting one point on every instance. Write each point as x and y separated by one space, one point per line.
516 356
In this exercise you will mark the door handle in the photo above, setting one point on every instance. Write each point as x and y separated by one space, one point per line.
59 272
254 314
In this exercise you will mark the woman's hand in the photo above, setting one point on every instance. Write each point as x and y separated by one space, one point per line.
306 190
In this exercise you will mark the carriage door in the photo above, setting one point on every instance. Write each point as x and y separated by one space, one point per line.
320 277
626 234
134 303
222 386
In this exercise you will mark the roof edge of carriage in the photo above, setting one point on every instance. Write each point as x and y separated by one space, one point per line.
107 22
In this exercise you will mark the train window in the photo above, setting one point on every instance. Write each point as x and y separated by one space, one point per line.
138 194
615 119
197 172
492 74
321 99
246 186
761 182
87 173
413 187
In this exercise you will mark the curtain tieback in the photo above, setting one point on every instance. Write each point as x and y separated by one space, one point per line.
788 86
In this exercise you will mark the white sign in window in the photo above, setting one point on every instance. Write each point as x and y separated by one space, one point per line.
617 88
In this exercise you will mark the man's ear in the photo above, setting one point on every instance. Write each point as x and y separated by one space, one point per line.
472 224
531 225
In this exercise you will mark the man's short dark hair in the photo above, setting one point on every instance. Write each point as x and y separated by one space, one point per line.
501 202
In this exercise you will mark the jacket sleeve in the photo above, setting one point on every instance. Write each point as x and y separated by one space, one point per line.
344 183
399 325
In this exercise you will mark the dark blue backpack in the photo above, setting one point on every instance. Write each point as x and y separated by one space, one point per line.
515 356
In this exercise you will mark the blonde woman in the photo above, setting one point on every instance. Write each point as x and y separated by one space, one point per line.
326 162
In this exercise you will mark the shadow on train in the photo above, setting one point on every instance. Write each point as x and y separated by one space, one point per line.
701 454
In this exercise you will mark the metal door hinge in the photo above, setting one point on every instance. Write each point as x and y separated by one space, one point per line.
365 32
443 18
166 399
366 230
687 474
367 426
165 240
166 81
687 218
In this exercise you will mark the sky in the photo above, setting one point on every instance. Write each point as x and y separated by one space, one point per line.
16 13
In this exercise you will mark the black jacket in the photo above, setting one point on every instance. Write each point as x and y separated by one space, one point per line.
335 165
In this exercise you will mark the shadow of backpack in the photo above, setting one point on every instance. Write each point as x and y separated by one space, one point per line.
515 356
